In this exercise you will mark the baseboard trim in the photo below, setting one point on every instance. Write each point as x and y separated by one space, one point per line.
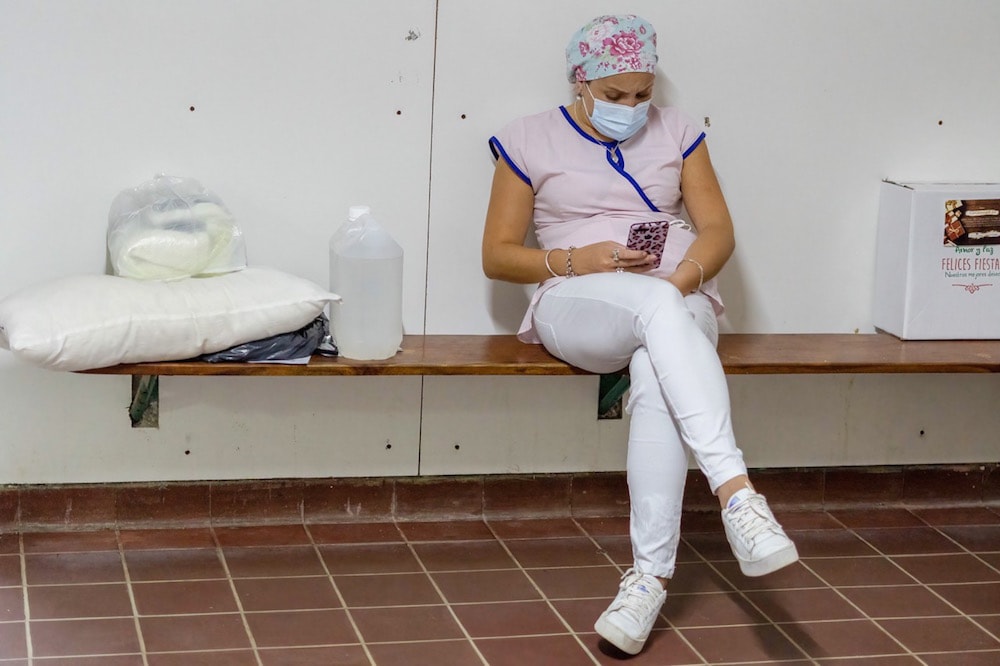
604 494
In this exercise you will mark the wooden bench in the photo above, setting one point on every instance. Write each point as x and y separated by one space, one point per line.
741 354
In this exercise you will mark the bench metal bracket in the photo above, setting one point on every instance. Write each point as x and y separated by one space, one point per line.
144 410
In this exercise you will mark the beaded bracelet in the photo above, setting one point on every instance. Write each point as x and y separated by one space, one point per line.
569 262
701 274
548 265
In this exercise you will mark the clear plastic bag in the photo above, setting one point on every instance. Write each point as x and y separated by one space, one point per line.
169 228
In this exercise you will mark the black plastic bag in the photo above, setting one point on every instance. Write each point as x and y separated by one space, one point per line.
306 341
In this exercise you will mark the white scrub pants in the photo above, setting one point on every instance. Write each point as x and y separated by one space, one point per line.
678 395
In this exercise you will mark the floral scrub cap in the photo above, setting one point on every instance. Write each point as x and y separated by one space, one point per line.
610 45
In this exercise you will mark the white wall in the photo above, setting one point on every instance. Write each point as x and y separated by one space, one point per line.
302 108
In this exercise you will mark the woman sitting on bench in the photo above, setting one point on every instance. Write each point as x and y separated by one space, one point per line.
583 175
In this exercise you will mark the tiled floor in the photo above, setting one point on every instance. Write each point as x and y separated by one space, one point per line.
879 587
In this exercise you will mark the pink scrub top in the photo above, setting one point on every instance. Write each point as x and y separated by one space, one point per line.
588 191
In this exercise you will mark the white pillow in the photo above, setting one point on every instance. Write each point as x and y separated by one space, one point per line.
94 321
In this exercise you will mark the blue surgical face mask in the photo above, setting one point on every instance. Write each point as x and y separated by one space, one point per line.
617 121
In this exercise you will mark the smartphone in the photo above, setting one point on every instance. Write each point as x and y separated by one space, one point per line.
649 237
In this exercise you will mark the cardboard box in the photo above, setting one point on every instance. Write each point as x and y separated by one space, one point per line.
937 267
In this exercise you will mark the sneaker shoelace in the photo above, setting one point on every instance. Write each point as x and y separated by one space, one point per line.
752 519
639 600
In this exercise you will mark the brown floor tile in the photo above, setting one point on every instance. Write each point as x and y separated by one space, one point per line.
941 634
607 526
69 542
908 540
577 583
190 537
758 642
830 543
617 548
176 564
463 556
862 485
387 590
691 577
536 529
803 605
103 660
519 618
62 638
11 604
947 568
794 521
369 558
355 532
220 658
454 530
273 594
842 638
990 658
846 571
54 602
10 543
307 627
194 632
711 546
430 653
417 623
707 610
977 538
563 650
972 599
10 570
565 552
342 655
273 562
481 586
67 568
861 518
13 643
263 535
792 576
888 601
971 515
184 597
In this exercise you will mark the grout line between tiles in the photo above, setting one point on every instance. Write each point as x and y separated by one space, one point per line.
29 649
131 600
340 596
444 600
545 597
220 553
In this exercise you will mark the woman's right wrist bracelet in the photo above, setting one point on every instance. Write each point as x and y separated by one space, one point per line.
569 262
548 265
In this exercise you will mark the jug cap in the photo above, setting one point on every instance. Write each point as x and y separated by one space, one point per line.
354 212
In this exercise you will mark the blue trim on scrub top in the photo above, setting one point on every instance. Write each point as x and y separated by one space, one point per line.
614 157
498 152
697 142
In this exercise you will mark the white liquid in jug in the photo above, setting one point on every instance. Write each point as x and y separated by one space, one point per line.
367 324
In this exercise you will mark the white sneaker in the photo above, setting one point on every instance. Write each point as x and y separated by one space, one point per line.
757 540
629 619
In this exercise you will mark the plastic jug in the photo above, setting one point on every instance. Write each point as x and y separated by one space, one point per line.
366 271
